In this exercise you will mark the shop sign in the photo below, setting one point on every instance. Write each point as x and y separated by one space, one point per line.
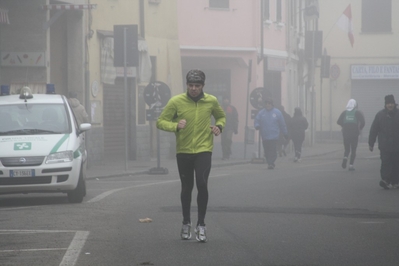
375 71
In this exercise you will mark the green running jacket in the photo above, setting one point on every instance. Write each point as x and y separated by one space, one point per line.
197 136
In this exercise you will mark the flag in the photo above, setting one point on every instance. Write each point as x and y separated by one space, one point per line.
345 23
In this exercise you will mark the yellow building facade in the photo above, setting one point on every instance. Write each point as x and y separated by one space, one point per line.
159 60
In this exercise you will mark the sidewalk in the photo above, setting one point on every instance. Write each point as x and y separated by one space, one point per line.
117 168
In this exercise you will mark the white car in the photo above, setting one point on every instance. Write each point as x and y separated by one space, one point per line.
42 148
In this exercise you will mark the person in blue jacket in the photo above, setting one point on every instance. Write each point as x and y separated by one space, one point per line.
270 122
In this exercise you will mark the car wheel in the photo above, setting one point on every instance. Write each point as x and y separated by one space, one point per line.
77 195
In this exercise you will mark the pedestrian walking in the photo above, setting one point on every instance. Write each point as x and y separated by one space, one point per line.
230 128
299 124
282 143
385 126
352 122
270 122
78 109
188 115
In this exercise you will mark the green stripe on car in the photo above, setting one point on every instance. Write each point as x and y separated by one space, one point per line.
59 143
76 154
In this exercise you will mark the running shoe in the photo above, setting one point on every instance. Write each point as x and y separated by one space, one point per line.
384 184
351 168
344 161
200 233
185 231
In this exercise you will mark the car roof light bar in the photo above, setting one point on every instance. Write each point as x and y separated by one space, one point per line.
25 93
5 90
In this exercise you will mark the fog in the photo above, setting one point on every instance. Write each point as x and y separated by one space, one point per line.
316 55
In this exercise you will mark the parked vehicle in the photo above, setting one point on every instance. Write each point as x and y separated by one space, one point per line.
42 148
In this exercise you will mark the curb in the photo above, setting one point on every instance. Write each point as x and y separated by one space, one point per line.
222 164
146 172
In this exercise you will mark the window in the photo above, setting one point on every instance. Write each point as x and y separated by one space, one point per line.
279 10
376 16
34 118
219 3
266 10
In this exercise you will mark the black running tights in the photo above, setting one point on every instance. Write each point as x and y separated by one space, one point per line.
188 164
350 145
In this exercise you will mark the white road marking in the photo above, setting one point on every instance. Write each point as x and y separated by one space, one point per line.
107 193
38 249
18 208
74 249
72 252
7 232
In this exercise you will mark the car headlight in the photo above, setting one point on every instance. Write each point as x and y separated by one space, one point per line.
60 157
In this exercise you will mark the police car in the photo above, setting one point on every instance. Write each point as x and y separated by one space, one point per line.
42 147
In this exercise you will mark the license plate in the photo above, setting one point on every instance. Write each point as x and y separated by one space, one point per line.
22 173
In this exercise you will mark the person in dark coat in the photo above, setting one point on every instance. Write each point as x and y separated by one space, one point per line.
230 127
78 109
386 127
282 141
352 122
299 124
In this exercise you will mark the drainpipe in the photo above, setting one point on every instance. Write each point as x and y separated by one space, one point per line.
260 58
141 15
87 80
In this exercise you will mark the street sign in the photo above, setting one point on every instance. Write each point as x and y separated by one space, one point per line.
156 94
256 98
130 39
152 114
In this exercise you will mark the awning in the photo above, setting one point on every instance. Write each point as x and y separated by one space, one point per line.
60 9
4 16
71 2
68 7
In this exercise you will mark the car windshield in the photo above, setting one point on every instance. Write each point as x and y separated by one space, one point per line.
31 119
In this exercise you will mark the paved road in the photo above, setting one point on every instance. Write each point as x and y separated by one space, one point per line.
311 213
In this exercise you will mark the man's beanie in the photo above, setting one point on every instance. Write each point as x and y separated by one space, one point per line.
195 76
268 100
389 99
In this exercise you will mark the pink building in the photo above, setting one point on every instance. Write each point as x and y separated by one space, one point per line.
222 37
